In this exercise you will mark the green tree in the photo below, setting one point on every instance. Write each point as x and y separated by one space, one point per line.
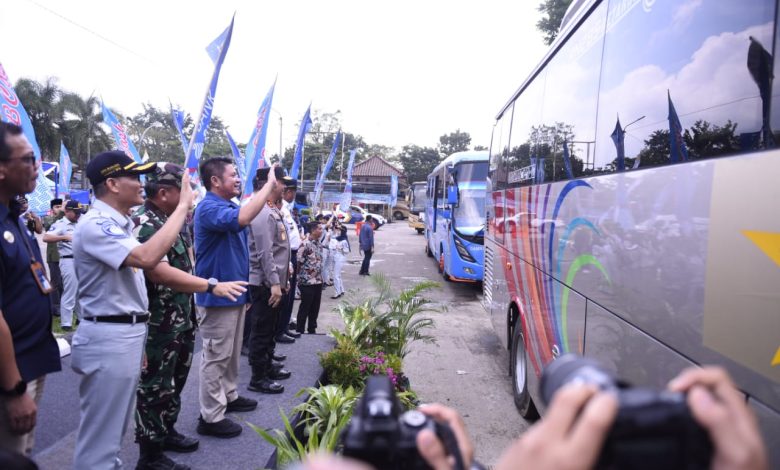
454 142
479 148
656 149
705 140
42 103
80 128
418 162
550 23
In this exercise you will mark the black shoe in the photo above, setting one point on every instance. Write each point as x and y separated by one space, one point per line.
224 429
312 332
159 462
66 328
177 442
335 296
277 365
292 326
283 338
241 404
279 357
265 386
279 374
292 334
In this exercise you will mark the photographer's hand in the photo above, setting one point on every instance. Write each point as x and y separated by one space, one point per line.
721 410
569 437
331 462
432 449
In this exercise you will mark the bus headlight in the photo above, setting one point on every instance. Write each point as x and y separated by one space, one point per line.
462 251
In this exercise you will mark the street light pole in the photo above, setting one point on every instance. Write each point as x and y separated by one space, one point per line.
143 134
281 155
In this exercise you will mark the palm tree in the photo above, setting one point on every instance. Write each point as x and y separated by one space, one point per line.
41 100
80 129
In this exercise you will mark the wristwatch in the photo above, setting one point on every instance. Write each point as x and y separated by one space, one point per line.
212 284
17 391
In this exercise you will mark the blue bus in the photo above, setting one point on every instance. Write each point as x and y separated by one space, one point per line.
455 216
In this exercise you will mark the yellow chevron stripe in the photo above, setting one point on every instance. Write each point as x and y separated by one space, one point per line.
767 242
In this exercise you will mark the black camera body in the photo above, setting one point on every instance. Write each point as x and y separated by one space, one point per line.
383 435
653 429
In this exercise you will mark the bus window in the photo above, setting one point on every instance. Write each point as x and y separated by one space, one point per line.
523 146
567 132
693 66
499 149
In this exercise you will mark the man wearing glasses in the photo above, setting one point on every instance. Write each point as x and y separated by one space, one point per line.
27 348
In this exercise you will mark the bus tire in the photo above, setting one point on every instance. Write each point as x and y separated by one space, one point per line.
519 361
398 215
419 231
442 268
428 249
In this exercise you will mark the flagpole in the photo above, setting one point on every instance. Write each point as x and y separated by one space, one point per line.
197 124
341 176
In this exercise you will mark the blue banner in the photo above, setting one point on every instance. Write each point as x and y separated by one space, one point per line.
393 190
217 50
12 111
123 142
677 149
240 164
328 165
255 148
346 198
567 160
66 170
178 121
305 126
619 138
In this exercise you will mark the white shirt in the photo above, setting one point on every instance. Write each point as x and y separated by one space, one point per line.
292 228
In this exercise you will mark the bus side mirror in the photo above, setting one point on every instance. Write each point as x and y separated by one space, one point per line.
452 195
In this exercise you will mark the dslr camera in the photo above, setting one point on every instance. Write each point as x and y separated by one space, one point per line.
383 435
653 429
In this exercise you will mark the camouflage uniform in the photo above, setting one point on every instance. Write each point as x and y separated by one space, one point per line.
171 340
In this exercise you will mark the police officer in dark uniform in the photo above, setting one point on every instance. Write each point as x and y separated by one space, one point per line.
171 340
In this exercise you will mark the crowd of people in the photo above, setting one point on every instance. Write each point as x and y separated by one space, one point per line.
126 269
128 273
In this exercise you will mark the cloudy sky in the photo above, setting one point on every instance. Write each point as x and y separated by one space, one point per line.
400 72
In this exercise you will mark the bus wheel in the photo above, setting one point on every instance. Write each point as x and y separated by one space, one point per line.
519 359
442 269
398 215
428 250
419 231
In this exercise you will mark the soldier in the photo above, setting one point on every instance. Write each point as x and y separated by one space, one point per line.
108 345
61 234
53 256
171 339
269 272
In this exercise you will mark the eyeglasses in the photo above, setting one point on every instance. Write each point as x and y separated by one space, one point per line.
28 159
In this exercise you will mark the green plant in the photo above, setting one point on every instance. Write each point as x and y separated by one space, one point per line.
323 415
342 363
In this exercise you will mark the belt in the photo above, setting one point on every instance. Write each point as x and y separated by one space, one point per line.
66 256
133 319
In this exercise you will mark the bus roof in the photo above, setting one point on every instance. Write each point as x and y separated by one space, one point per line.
462 157
572 19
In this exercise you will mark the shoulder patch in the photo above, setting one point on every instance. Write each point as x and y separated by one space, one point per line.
111 229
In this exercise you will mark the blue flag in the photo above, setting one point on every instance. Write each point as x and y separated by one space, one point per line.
328 165
66 170
178 121
619 138
567 160
305 126
217 50
240 164
123 142
11 110
677 149
346 198
255 148
393 190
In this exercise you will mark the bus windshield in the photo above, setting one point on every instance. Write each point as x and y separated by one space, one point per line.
469 215
418 198
476 172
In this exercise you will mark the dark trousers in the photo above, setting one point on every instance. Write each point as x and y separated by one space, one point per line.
262 338
168 361
366 261
309 308
289 298
56 287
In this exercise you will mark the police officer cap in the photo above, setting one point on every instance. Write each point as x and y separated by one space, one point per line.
290 182
74 205
165 173
55 202
262 173
115 164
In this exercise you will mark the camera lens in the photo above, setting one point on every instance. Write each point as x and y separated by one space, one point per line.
414 418
571 368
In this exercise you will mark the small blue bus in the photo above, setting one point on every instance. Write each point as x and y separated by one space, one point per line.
455 216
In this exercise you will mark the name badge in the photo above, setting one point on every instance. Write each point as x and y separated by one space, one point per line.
9 237
40 277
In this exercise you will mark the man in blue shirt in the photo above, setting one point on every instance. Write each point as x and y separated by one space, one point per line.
27 348
366 244
222 252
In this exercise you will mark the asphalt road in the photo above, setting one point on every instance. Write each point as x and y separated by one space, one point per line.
465 369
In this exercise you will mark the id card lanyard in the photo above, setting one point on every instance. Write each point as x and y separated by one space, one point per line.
38 272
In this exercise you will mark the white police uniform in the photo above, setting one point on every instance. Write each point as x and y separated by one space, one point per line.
70 284
109 343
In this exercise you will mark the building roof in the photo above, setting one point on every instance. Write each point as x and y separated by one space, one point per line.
376 166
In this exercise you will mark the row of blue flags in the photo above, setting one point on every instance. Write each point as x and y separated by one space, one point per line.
66 171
